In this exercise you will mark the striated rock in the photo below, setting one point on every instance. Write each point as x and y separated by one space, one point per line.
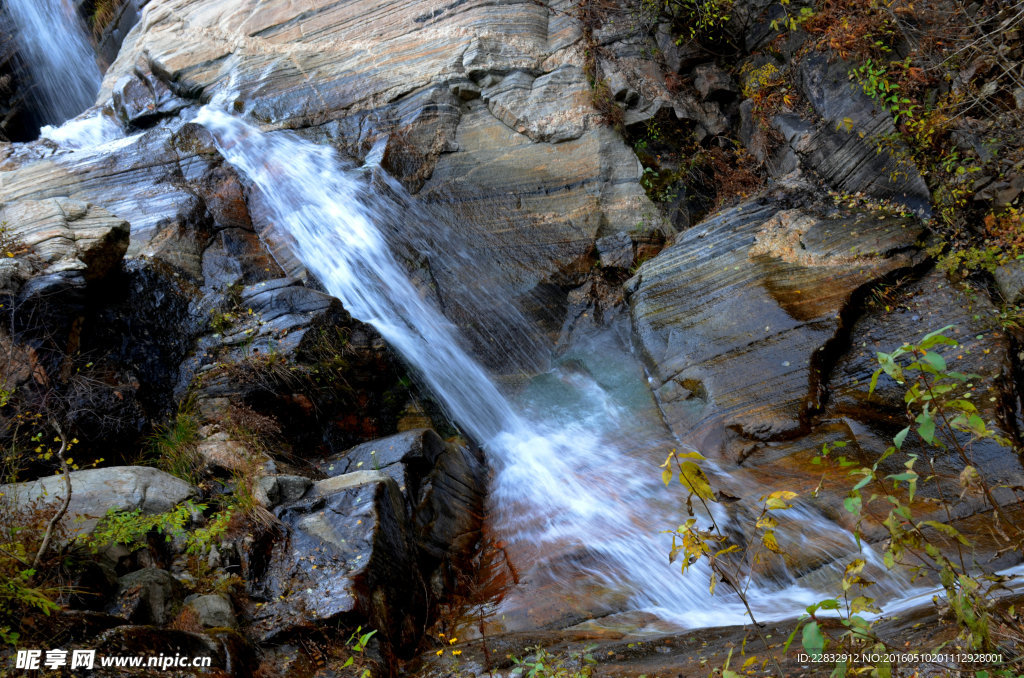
734 318
984 349
140 100
458 76
68 244
555 200
842 145
553 107
96 491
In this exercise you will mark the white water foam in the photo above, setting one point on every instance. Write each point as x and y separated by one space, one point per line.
86 131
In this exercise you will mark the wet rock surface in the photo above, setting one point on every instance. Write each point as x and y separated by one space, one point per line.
758 325
757 290
347 550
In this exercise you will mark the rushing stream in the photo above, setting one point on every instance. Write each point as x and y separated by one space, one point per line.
560 486
57 54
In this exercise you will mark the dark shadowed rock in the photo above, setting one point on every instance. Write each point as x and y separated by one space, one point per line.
148 596
443 484
1010 281
346 551
58 247
141 99
212 610
843 145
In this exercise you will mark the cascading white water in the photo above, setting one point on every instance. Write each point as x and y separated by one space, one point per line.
57 54
559 481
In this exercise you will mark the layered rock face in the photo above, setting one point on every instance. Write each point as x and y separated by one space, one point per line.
756 326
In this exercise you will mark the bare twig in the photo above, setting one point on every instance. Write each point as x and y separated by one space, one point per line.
56 518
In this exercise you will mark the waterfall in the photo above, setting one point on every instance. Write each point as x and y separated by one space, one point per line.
559 480
58 57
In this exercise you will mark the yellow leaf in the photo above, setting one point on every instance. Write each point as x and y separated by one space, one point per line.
769 541
690 455
750 661
778 500
691 476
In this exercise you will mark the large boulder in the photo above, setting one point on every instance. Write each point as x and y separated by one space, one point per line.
94 492
736 318
849 142
443 484
54 248
148 596
346 551
391 522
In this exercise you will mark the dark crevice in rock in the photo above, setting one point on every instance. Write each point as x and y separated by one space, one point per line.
824 359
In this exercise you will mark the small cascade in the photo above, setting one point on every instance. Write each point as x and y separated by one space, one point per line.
565 490
55 50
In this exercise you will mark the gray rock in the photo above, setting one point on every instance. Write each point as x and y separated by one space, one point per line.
60 246
730 318
1010 281
282 489
148 596
96 491
152 641
213 610
140 100
615 251
710 80
347 549
843 148
402 456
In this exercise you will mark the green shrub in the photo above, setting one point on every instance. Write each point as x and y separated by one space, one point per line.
174 445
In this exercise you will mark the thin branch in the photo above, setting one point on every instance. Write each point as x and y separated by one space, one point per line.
56 518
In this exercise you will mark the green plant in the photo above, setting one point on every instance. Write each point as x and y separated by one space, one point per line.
28 582
174 445
19 592
543 664
875 81
943 417
789 20
924 540
712 544
132 528
659 187
963 262
104 11
356 646
704 19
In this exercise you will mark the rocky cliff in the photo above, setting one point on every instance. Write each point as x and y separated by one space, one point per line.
151 314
